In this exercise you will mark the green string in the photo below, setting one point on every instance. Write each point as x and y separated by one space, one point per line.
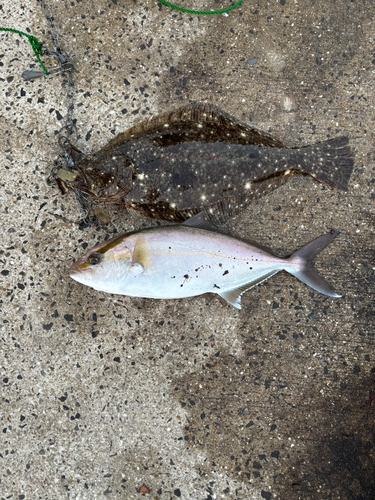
35 44
204 13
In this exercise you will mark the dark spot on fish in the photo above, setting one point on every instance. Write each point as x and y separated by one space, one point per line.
215 286
186 276
225 272
220 265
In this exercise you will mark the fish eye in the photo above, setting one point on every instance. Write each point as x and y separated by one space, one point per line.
94 258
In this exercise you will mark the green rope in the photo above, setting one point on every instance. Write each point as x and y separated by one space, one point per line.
204 13
35 44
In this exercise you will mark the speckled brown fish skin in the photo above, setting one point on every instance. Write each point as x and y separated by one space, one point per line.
198 158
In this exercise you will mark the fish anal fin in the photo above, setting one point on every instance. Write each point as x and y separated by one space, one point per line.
225 208
233 296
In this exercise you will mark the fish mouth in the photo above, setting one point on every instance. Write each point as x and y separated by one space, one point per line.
78 271
78 275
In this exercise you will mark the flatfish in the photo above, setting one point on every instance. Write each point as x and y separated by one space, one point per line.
197 158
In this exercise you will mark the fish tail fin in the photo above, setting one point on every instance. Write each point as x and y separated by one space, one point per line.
331 162
304 267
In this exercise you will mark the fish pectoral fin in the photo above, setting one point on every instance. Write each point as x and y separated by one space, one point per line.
136 269
142 257
233 296
75 154
199 221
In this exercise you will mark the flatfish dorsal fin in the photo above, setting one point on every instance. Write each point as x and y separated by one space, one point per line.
194 123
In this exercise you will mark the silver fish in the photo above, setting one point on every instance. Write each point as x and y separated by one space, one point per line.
189 259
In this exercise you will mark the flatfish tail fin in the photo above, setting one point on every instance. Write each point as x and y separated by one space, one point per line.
330 162
304 267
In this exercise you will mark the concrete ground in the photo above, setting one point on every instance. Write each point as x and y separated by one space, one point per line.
104 395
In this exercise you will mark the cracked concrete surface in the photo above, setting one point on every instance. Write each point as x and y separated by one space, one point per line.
102 395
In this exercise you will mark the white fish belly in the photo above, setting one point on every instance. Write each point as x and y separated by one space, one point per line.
184 263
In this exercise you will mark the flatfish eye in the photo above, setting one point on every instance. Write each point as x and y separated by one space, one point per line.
94 259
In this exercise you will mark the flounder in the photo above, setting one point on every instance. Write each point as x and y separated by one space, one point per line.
191 259
197 158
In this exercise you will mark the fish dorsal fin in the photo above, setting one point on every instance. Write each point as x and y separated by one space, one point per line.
199 221
142 257
191 123
233 296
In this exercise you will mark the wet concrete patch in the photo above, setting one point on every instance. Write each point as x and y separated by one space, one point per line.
301 441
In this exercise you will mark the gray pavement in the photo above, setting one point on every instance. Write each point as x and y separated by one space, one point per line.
102 395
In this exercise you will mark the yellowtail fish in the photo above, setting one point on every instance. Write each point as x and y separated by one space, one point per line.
196 159
189 259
